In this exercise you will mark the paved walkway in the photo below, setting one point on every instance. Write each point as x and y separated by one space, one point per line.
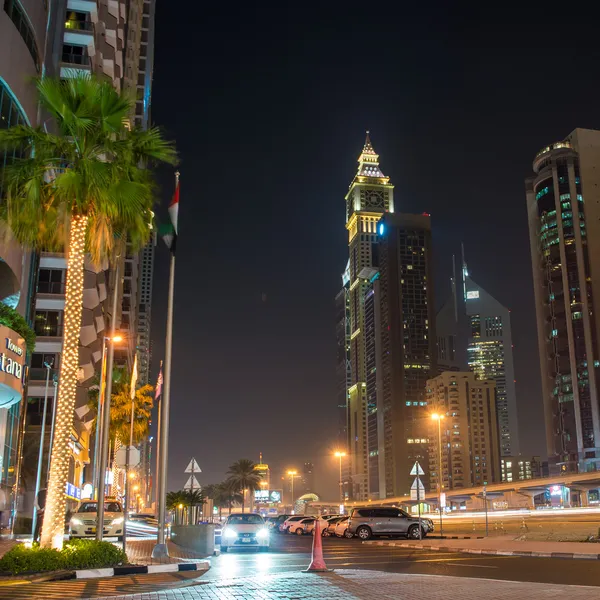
503 545
139 552
367 585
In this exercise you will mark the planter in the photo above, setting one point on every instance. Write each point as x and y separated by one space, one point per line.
200 538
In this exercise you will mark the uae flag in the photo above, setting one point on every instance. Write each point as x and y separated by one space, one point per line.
169 232
159 383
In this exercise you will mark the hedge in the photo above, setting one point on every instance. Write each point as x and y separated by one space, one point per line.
76 554
11 318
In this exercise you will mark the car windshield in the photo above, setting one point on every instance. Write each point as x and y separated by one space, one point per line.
245 520
92 507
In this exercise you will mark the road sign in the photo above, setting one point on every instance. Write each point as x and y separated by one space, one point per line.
417 485
121 456
417 470
193 467
192 484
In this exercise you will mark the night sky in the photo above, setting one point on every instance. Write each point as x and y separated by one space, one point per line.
269 113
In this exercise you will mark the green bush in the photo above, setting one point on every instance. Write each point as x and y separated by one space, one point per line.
76 554
12 319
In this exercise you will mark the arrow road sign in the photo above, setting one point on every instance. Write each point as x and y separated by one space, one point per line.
417 470
193 467
192 484
414 495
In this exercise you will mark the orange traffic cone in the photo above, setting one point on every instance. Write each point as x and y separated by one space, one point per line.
317 564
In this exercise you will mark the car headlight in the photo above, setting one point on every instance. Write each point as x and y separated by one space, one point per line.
118 521
76 521
262 533
229 533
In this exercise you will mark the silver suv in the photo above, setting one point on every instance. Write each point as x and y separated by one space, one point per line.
384 520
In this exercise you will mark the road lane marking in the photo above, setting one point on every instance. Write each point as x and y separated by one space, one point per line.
475 566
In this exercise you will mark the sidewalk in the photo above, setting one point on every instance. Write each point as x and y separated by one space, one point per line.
368 585
505 545
139 552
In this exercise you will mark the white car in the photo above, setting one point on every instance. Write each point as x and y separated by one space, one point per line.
245 530
84 522
285 526
323 522
341 529
299 527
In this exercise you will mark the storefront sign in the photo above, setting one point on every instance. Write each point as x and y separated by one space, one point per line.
12 369
73 492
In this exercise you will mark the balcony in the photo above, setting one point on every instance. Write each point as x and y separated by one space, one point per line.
51 287
75 60
79 32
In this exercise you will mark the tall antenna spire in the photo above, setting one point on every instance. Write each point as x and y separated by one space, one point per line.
368 161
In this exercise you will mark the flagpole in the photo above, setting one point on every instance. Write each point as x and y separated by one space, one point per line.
160 549
158 394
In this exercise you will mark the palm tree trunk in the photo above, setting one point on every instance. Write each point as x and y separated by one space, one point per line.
243 498
56 502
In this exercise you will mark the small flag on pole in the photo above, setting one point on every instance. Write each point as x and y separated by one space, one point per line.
134 377
174 206
159 383
169 231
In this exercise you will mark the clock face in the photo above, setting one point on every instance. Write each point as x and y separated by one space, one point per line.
375 199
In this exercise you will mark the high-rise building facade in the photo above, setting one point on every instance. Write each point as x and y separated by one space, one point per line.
519 468
407 347
474 332
563 205
343 370
369 197
22 42
372 356
470 449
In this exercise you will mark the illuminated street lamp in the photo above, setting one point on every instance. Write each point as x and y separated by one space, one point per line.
292 474
439 418
341 455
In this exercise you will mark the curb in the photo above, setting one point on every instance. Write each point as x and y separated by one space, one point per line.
203 565
525 553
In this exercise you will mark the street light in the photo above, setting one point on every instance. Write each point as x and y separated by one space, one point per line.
439 418
38 479
292 474
341 455
98 480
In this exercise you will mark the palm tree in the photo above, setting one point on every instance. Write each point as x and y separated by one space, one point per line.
82 186
176 501
194 499
225 495
242 476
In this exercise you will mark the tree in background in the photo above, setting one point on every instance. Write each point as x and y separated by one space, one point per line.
243 476
81 186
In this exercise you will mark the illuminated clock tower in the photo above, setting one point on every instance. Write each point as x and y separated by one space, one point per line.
370 196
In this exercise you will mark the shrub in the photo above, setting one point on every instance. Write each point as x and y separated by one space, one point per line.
12 319
76 554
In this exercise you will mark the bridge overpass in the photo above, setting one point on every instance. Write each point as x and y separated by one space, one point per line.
568 490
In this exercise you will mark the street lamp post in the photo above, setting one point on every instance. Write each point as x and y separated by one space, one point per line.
38 479
341 455
292 474
106 411
97 481
438 418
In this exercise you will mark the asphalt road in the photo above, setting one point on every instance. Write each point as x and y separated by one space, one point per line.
292 554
